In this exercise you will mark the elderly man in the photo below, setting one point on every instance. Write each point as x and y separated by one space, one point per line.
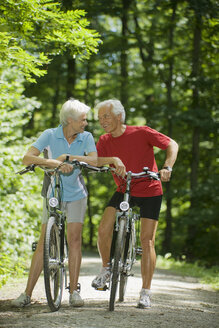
67 141
130 148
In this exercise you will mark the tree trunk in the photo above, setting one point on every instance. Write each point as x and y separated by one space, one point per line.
124 56
146 52
89 207
192 228
168 217
71 77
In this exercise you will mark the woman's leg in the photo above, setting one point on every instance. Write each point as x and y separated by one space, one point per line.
36 263
74 232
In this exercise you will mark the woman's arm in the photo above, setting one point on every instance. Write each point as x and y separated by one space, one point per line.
91 158
32 157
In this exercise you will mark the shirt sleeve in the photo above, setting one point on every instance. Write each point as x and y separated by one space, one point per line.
157 139
90 144
42 142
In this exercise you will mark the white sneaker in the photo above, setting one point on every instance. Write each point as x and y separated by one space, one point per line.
75 299
101 280
21 301
145 299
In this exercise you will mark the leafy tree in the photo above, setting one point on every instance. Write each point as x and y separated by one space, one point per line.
32 33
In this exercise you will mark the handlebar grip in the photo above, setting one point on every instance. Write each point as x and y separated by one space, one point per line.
27 169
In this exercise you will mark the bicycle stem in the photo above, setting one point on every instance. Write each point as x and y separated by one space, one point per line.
128 183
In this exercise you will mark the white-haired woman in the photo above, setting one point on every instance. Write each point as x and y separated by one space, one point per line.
67 141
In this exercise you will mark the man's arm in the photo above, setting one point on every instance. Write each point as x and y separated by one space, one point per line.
116 161
171 155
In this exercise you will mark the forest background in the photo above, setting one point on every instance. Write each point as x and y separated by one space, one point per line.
160 59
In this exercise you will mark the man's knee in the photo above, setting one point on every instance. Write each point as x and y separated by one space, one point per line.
147 243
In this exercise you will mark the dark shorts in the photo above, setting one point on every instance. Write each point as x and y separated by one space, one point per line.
149 206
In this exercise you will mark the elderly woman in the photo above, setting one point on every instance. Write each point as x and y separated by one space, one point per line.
67 141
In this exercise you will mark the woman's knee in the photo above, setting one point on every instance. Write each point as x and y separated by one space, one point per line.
74 241
40 243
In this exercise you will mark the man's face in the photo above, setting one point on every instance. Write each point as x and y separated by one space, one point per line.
79 124
108 120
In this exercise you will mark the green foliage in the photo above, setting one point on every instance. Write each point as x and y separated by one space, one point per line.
33 31
160 89
20 210
204 275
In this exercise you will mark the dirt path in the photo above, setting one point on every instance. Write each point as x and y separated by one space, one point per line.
177 302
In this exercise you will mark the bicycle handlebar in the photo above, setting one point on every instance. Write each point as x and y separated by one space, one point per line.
146 173
74 163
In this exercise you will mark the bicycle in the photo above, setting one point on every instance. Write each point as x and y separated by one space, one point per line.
124 247
55 255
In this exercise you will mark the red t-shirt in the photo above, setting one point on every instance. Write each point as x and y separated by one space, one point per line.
135 149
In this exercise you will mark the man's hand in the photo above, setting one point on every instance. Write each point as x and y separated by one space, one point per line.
165 175
120 167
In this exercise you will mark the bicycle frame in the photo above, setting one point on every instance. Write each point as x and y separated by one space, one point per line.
54 210
123 248
55 245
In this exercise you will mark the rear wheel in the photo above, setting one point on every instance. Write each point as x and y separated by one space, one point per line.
53 266
117 263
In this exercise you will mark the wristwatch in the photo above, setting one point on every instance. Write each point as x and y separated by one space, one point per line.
67 158
168 168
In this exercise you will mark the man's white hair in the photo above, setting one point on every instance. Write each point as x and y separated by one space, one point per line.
72 108
117 107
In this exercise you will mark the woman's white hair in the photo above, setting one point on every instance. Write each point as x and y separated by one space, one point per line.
117 107
72 108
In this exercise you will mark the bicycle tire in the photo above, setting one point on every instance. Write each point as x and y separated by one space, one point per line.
116 263
124 274
53 268
122 286
129 257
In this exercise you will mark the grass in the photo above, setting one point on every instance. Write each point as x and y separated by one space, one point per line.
209 276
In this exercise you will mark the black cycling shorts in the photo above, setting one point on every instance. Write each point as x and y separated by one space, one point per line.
149 206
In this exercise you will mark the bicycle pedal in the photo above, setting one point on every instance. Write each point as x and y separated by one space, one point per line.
78 287
139 251
34 246
102 288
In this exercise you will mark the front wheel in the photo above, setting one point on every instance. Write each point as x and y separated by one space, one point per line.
129 256
122 286
116 263
53 266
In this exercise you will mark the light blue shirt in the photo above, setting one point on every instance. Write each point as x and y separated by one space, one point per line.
54 141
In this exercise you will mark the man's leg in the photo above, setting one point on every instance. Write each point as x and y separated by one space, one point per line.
148 258
105 232
74 232
36 263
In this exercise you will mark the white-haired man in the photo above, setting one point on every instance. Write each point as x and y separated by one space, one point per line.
67 141
130 148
